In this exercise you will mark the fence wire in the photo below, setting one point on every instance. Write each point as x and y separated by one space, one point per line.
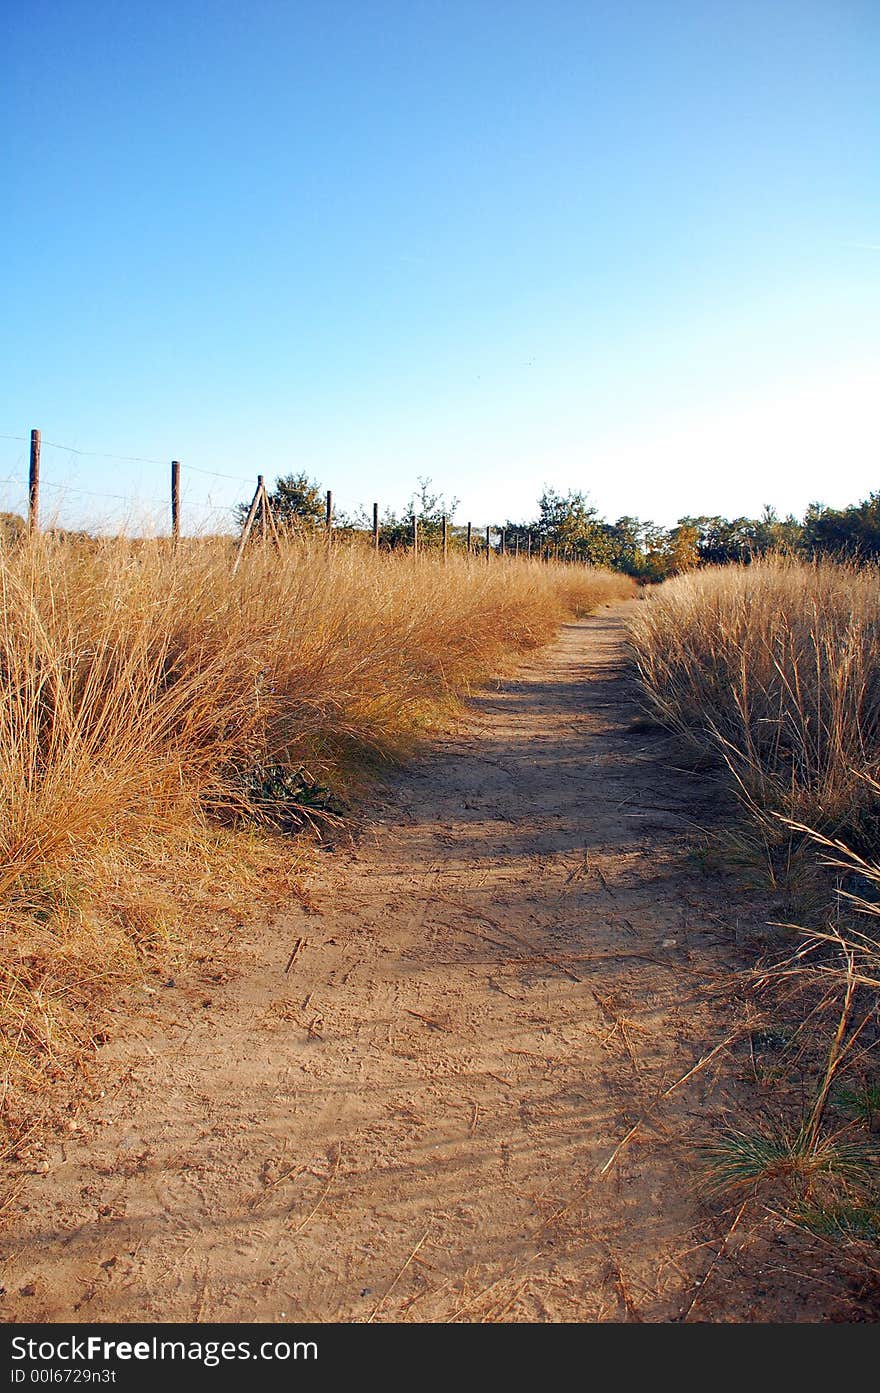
142 510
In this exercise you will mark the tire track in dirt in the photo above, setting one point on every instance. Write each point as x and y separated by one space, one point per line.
511 960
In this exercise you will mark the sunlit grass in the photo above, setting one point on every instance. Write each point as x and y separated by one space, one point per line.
771 673
775 667
153 708
740 1160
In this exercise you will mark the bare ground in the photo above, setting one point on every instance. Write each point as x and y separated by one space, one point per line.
450 1088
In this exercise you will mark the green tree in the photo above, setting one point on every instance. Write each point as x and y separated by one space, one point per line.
428 508
297 502
639 548
573 524
852 532
775 534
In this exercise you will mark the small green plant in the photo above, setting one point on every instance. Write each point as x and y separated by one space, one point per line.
740 1160
288 798
845 1219
861 1103
770 1041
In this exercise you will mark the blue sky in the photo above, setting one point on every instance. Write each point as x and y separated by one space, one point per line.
632 249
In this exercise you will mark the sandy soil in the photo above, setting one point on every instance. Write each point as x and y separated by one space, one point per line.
446 1090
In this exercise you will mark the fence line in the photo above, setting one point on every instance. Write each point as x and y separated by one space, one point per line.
261 510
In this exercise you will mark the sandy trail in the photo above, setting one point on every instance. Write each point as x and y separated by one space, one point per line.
510 961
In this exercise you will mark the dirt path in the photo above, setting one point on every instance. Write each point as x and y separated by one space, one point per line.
420 1118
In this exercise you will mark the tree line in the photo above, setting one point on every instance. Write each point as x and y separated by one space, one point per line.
569 525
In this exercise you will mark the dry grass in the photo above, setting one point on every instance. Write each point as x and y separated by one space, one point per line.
776 668
151 704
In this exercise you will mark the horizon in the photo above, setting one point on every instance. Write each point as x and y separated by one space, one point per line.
137 518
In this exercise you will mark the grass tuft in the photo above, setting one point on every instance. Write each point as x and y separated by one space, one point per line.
738 1160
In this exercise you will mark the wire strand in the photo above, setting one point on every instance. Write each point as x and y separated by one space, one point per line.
92 493
96 454
131 459
215 474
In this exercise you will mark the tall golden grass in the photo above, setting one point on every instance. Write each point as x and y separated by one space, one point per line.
775 667
143 687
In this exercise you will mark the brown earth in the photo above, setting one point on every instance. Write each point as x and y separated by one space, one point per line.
450 1088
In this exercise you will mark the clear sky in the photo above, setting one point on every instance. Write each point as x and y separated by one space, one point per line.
625 246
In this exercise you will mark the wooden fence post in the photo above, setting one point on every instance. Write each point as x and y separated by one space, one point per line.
488 548
175 501
375 526
503 542
328 522
445 539
267 513
261 507
34 484
415 535
469 540
249 522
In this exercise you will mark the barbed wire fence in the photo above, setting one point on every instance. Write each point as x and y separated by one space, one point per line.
22 495
24 492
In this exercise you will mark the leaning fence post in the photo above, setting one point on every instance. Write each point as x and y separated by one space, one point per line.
34 484
249 522
267 517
